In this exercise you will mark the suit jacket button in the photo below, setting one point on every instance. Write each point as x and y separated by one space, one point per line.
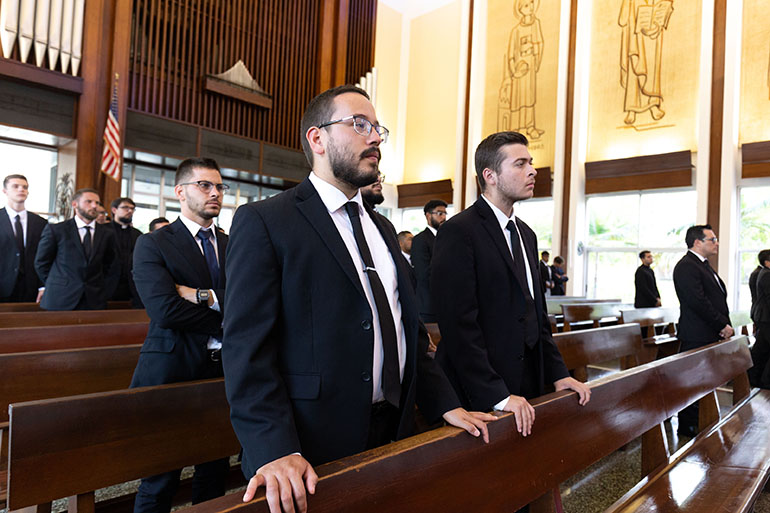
366 325
366 377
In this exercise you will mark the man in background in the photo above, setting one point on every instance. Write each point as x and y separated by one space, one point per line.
422 254
546 280
559 278
20 233
759 374
647 295
158 223
77 259
372 194
762 256
405 243
102 217
125 236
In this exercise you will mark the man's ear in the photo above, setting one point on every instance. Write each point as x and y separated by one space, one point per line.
315 138
489 176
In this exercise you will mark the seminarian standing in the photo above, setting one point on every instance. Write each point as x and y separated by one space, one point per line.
323 346
20 233
759 374
647 295
77 259
704 316
422 254
546 276
496 345
179 273
125 237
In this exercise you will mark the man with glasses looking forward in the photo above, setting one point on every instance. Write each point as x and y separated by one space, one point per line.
704 316
179 273
422 254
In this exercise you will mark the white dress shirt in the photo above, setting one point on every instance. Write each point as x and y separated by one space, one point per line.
193 227
22 218
334 200
703 259
82 228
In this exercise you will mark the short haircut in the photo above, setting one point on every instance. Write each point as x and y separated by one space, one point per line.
116 202
695 233
403 235
488 153
763 256
643 254
544 253
185 168
558 260
11 177
157 221
80 192
432 204
319 111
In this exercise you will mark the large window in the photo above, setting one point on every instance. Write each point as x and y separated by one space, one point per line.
538 214
620 226
38 164
754 236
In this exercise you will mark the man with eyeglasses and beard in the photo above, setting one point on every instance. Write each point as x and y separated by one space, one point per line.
422 254
77 259
323 345
179 273
125 237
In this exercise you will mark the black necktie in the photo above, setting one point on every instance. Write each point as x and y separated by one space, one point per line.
87 242
391 375
210 255
713 272
19 240
518 258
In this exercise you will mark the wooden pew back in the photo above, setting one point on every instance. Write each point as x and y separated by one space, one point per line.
594 312
650 317
75 445
554 303
35 307
50 338
588 347
446 470
51 318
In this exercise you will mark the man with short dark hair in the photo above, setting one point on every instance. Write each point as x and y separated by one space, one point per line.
546 277
704 316
372 194
125 236
77 259
762 256
422 254
323 347
179 273
559 277
158 223
759 374
20 233
496 344
405 239
102 217
647 295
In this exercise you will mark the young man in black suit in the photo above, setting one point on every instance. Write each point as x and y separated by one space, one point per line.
323 345
125 238
759 374
179 273
704 316
762 256
546 278
647 295
496 345
20 232
422 254
77 259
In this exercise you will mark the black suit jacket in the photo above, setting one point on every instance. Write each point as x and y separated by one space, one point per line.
125 239
10 257
298 344
545 275
558 281
702 303
68 276
753 289
482 310
175 347
422 254
647 294
762 310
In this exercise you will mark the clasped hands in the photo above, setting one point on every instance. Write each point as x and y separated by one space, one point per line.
524 413
726 332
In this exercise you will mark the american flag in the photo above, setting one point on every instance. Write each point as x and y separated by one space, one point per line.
111 153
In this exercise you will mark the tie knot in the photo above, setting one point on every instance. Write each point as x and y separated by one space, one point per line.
352 208
511 226
18 217
88 228
204 234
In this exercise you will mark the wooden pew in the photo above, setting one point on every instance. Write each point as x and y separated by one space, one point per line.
554 303
663 345
594 312
69 447
589 347
51 318
50 338
35 307
446 470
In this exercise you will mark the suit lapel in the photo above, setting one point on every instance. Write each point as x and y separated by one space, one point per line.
311 206
5 224
221 252
73 233
186 246
490 224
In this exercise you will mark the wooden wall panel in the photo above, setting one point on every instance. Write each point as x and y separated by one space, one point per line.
360 48
177 43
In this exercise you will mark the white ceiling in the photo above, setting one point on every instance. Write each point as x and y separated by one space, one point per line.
414 8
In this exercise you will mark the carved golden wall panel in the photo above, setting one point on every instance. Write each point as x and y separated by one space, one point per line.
755 73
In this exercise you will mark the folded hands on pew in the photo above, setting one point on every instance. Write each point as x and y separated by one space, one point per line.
727 332
287 480
570 383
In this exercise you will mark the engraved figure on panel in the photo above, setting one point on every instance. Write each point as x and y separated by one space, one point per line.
518 90
641 47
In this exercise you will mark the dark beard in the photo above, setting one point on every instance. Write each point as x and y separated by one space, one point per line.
435 224
124 220
371 197
345 170
85 214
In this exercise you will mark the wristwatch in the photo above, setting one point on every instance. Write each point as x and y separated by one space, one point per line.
202 295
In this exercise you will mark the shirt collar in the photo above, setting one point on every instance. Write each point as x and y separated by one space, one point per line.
433 230
12 214
333 198
701 258
194 227
502 219
80 223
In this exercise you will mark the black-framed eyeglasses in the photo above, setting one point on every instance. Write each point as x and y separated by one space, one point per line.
206 186
437 213
362 126
712 239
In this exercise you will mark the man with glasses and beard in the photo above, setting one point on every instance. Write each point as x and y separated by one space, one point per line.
77 259
422 254
179 273
323 345
372 194
125 237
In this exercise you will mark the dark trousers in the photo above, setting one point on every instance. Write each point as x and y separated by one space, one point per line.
156 493
759 374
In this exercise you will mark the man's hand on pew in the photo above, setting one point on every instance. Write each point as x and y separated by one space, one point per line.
474 422
568 383
285 481
522 411
39 295
727 332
